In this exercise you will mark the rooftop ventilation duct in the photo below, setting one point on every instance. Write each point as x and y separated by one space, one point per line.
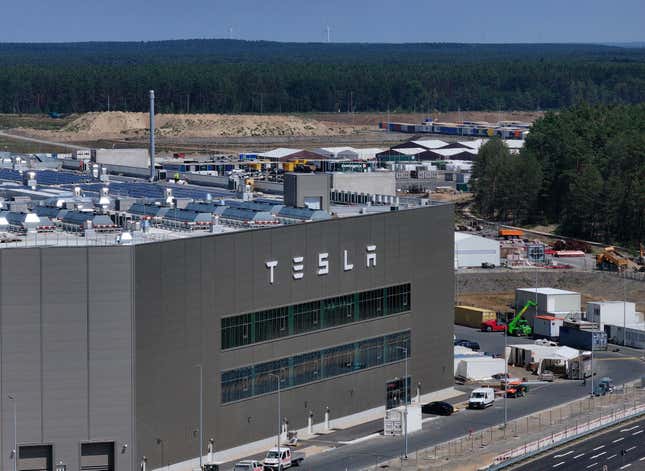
77 191
169 198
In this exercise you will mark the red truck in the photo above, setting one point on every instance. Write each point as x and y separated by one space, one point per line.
492 325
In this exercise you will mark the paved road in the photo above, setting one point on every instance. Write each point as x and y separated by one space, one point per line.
42 141
621 448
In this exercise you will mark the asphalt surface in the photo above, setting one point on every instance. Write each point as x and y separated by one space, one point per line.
621 366
620 448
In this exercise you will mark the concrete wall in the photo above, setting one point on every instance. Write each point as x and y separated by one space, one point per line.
373 183
126 157
472 251
66 337
300 186
184 287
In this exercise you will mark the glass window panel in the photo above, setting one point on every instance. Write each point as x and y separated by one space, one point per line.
306 368
271 324
370 304
339 310
306 317
338 360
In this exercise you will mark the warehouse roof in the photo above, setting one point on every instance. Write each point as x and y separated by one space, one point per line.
547 291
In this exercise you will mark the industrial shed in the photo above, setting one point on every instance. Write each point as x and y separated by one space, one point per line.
472 250
550 301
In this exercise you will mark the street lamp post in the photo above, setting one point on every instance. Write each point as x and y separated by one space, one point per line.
277 377
405 413
201 414
15 436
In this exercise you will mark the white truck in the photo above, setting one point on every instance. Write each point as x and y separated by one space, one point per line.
481 398
282 458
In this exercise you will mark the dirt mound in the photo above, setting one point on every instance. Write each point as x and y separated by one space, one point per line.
118 124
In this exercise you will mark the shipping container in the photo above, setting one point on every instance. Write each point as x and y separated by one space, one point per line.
583 339
547 327
470 316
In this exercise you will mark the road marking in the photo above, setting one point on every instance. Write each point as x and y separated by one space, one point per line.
630 449
636 433
560 463
591 465
630 428
599 454
598 447
618 440
578 456
626 466
642 459
564 454
612 456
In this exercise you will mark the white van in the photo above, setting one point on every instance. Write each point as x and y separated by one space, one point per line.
481 398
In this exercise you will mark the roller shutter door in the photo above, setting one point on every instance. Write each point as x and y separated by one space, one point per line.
35 458
97 456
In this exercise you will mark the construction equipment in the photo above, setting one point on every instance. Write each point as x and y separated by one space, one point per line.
611 260
511 233
519 326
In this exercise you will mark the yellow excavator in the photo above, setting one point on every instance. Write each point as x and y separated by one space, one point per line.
611 260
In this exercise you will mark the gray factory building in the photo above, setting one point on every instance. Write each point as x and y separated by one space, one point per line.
99 345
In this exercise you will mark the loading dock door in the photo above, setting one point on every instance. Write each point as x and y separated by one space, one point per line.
35 458
97 456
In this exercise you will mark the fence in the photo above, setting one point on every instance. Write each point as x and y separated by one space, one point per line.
527 435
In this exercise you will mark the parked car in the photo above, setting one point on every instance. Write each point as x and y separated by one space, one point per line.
438 408
493 326
248 465
488 265
546 375
467 343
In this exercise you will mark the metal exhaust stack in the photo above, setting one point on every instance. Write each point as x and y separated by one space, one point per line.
152 135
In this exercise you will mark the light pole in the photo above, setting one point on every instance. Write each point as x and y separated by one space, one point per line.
277 377
405 413
201 414
15 437
505 378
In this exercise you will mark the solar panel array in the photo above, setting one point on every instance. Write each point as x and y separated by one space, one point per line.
47 177
152 190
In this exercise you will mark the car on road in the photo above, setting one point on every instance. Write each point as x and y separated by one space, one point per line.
282 458
438 408
467 343
546 375
248 465
481 398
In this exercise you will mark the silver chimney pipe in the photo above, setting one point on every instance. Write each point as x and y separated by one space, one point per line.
152 135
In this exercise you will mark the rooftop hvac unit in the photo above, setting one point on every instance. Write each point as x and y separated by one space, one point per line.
169 198
104 200
77 191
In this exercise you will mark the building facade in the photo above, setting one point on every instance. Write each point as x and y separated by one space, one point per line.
104 350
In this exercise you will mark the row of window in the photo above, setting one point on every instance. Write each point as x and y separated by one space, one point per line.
306 317
249 381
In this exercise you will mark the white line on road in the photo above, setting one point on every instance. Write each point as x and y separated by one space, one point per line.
560 463
642 459
578 456
612 456
630 449
599 447
591 465
636 433
618 440
599 454
564 454
630 428
626 466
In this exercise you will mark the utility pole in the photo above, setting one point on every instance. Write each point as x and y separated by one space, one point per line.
405 413
201 414
505 378
328 34
277 377
15 435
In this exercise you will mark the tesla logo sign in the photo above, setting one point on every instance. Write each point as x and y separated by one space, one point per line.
323 263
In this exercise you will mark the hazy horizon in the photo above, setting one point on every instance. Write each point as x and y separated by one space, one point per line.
358 21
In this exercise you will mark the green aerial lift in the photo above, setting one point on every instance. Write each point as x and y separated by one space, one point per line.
518 326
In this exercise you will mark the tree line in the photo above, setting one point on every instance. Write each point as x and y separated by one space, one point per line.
246 77
582 168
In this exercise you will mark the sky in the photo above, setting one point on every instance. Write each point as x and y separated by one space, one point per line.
306 20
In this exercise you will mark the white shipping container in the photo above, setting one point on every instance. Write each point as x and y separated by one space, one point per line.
547 327
613 313
480 368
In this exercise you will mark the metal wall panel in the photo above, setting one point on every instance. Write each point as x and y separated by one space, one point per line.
66 327
413 246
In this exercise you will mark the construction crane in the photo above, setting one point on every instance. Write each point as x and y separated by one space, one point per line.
519 326
611 260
